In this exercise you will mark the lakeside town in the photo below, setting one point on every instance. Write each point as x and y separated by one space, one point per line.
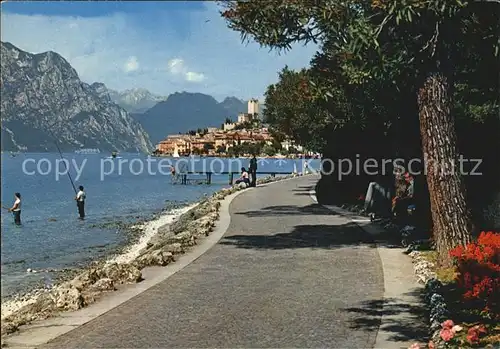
244 137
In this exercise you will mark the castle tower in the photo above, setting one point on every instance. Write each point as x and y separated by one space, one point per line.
253 106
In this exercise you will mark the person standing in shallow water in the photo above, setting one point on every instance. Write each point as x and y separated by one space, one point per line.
16 209
80 202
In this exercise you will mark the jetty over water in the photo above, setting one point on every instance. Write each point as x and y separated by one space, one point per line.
185 179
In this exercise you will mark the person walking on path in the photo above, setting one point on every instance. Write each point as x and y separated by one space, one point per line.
16 209
253 171
80 202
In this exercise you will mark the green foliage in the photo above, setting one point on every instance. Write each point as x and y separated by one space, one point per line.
373 58
381 39
244 126
269 150
220 149
292 109
253 148
200 131
207 147
246 149
249 125
233 151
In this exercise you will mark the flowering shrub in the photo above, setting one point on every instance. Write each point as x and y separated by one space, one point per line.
448 330
474 333
478 266
453 336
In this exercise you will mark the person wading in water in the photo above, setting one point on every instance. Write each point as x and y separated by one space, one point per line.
80 202
16 209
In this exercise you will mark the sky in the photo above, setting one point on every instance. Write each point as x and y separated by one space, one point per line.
164 46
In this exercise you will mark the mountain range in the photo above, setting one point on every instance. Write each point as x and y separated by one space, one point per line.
44 101
184 111
136 100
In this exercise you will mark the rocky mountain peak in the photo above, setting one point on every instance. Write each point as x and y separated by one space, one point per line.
42 92
135 100
101 90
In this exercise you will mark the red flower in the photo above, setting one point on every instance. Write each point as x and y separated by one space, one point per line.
481 329
446 334
478 267
447 325
474 333
472 337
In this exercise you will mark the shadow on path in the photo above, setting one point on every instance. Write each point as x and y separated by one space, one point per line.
399 329
286 210
304 236
324 236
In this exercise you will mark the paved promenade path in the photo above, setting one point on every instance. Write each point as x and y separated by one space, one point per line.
287 274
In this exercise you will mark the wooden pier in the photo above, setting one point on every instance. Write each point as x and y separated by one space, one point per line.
185 180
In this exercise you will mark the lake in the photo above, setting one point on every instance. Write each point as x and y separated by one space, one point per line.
128 189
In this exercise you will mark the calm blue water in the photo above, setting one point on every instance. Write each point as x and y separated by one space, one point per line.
51 236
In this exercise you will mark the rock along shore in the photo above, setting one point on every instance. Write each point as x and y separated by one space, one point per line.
102 277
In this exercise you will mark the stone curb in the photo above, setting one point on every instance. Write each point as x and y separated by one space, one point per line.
397 282
433 294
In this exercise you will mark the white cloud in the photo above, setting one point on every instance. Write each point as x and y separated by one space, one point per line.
131 65
177 66
194 77
175 53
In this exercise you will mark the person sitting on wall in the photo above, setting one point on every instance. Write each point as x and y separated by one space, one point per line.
244 180
377 200
402 201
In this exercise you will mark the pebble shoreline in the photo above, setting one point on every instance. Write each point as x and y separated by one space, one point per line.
159 243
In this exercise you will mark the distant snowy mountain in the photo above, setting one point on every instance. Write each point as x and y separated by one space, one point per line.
136 100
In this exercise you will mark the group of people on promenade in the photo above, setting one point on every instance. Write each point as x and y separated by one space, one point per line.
79 198
247 178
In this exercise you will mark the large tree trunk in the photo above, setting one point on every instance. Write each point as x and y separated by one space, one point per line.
452 223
